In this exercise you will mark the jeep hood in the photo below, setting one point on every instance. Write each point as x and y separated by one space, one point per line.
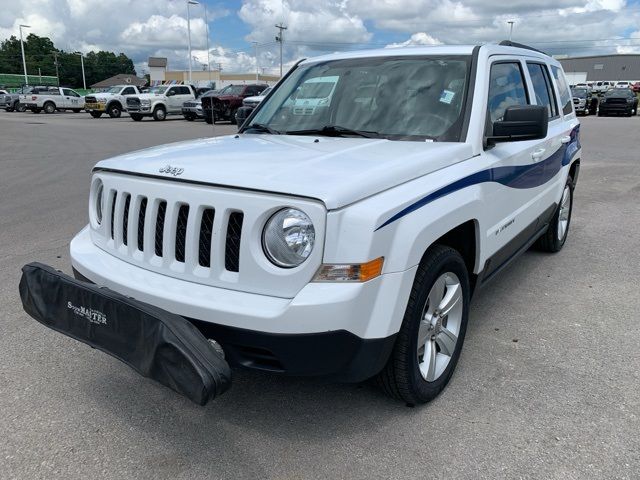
337 171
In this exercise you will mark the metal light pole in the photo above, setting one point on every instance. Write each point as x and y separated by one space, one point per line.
255 46
84 80
206 22
24 62
510 22
190 2
280 39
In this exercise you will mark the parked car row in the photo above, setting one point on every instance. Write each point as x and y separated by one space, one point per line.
613 101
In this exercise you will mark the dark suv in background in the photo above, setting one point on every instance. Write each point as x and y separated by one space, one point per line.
225 103
618 101
584 101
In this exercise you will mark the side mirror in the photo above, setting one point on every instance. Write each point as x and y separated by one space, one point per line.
521 122
170 93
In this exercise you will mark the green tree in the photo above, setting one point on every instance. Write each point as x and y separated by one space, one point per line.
41 53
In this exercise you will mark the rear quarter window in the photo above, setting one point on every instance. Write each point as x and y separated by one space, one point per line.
563 90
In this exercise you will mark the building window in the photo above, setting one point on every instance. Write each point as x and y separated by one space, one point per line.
598 66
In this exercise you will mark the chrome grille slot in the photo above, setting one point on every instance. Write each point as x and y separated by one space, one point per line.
232 248
125 219
141 219
114 197
181 232
206 233
162 211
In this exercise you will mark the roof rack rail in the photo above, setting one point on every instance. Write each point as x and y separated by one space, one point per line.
509 43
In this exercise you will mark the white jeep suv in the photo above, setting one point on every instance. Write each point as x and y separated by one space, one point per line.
347 242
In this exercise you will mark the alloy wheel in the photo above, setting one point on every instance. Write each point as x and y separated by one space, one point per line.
563 215
440 326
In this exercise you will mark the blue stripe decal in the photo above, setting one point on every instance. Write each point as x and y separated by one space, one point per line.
522 176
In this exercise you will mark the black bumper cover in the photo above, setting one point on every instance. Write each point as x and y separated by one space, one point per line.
336 355
157 344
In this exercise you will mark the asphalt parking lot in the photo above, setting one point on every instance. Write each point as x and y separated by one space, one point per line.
548 385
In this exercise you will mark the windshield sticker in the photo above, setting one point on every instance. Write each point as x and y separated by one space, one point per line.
447 96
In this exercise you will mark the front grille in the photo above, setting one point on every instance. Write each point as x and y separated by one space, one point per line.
177 231
190 104
133 103
617 101
90 99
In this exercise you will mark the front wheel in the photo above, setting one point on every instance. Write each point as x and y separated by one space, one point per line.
159 114
428 345
114 111
555 236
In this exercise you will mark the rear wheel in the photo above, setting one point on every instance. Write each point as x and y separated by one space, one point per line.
428 345
136 117
554 238
601 113
114 111
189 117
49 107
159 113
208 119
20 107
95 114
36 110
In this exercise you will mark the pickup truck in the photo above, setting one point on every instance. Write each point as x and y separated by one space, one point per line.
112 101
159 102
53 99
345 241
225 104
11 101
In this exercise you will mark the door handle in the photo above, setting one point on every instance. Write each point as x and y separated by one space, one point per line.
537 154
566 139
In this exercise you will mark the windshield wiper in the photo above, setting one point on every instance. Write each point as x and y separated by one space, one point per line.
262 128
334 131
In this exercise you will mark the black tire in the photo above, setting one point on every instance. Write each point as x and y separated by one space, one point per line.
208 119
401 377
49 107
36 110
550 241
114 110
601 113
136 117
77 110
20 107
189 117
95 114
159 113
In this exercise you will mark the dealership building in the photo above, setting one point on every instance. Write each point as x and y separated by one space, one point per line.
603 67
159 74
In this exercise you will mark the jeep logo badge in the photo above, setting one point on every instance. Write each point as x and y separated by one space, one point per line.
175 171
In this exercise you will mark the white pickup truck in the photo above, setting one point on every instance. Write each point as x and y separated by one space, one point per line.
52 99
112 101
160 102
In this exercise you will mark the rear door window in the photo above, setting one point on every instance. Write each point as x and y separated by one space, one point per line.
506 89
542 88
563 88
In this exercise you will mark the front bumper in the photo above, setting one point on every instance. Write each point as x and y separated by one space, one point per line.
342 330
194 110
616 107
96 107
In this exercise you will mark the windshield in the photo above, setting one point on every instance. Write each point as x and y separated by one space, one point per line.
232 90
623 92
158 90
398 98
579 92
113 90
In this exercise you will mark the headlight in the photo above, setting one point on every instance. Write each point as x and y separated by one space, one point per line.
145 101
98 201
288 238
629 100
102 100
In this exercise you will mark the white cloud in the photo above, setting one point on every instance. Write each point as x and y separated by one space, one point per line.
420 38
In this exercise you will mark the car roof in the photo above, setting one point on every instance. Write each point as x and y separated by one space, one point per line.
444 50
